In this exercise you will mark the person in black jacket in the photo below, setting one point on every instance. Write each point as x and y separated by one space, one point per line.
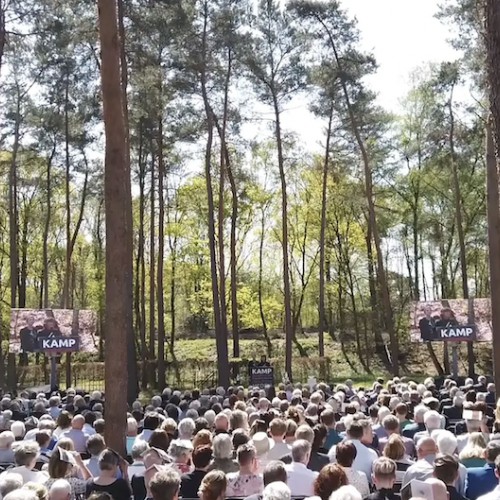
28 336
384 477
190 482
427 325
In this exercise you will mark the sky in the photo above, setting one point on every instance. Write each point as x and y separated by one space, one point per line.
403 35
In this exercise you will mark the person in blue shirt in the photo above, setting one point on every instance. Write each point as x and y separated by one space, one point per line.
482 480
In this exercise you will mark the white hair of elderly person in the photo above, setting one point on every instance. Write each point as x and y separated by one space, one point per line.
432 422
186 428
18 429
7 439
276 490
223 454
21 494
60 490
347 492
10 482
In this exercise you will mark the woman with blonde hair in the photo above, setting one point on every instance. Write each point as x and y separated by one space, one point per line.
213 486
473 453
395 450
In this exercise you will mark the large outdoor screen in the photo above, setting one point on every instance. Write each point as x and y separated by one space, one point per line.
53 330
451 320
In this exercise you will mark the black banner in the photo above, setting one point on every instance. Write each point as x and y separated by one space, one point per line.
262 375
458 333
59 344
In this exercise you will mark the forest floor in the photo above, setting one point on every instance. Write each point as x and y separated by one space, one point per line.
416 360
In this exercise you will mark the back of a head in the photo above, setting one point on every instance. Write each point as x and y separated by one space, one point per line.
151 421
331 478
277 490
138 449
246 453
60 490
432 420
492 451
10 482
446 442
18 429
78 422
21 494
301 450
345 453
96 445
305 432
274 471
419 413
446 469
355 431
426 447
202 456
164 485
223 446
391 423
347 492
108 460
213 486
384 472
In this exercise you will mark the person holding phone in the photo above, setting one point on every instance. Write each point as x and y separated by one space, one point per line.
109 464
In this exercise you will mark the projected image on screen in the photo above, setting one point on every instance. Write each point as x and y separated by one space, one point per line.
52 330
452 320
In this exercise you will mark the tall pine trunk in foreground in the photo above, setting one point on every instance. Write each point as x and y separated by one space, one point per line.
119 233
492 163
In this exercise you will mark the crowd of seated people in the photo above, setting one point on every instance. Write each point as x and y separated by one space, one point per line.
317 442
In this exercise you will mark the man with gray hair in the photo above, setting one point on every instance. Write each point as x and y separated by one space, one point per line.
60 490
432 422
223 454
277 491
22 494
165 485
300 478
26 455
10 482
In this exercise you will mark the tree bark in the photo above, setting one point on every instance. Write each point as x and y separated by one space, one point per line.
284 240
460 227
322 237
119 231
220 338
492 40
161 252
133 382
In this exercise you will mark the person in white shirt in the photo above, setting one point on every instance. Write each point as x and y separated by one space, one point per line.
277 429
300 478
423 468
26 455
95 446
76 434
364 456
137 468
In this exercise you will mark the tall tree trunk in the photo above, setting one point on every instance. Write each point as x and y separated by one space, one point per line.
119 231
492 40
66 302
152 278
161 253
140 268
460 227
13 208
284 240
222 179
322 236
260 291
133 382
221 339
372 218
3 35
44 298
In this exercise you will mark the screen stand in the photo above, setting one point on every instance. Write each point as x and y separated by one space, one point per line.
454 359
53 373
